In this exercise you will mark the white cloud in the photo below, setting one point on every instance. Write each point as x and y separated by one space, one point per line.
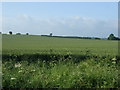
75 26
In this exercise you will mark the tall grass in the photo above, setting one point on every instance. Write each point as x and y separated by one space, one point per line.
47 62
66 73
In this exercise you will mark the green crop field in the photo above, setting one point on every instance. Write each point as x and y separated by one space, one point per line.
33 61
37 44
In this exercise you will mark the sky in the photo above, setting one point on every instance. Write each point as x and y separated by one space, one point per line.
87 19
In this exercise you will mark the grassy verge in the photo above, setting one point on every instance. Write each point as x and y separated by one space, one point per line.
55 71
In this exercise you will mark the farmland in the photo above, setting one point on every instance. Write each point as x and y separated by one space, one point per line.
33 61
37 44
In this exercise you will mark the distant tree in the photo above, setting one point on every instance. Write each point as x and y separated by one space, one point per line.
10 32
18 33
0 32
50 34
112 37
97 38
27 33
117 38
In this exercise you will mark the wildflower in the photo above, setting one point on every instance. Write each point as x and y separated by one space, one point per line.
33 70
13 78
17 65
114 62
114 59
78 66
20 71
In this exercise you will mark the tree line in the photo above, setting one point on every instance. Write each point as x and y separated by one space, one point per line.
10 32
110 37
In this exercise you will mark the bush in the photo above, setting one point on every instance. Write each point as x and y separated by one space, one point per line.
18 33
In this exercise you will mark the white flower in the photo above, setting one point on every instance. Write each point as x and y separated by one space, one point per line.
114 62
13 78
114 58
17 65
33 70
20 71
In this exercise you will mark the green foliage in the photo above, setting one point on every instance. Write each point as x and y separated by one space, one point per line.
112 37
48 62
60 74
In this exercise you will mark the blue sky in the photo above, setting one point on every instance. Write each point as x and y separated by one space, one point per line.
97 19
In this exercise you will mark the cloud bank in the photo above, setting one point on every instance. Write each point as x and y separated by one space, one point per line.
70 26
